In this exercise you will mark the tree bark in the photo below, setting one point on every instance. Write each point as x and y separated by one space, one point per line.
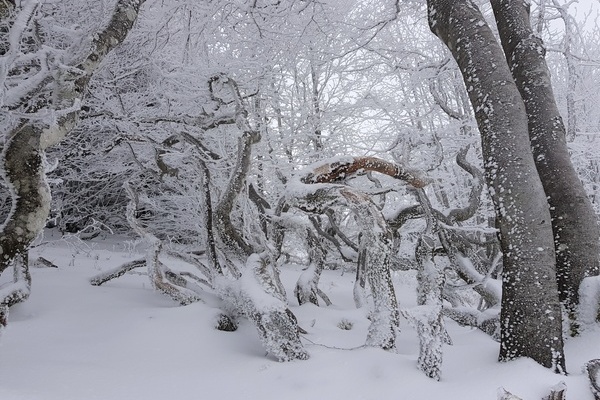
23 154
593 370
574 222
23 165
531 314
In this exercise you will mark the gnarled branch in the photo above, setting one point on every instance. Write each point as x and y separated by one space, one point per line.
341 169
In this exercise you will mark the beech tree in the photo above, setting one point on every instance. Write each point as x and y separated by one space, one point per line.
574 222
531 317
45 70
220 119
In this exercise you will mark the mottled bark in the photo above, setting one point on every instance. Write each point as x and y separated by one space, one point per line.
342 169
17 291
24 173
229 235
71 86
376 247
574 222
593 370
463 214
531 314
23 153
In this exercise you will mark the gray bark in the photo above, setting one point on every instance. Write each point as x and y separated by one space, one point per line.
531 314
593 370
575 226
23 153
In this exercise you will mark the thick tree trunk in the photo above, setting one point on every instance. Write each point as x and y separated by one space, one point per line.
25 177
23 154
531 315
574 222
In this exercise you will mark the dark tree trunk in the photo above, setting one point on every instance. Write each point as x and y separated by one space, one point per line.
531 315
574 222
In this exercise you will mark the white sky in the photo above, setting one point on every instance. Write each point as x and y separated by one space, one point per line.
581 7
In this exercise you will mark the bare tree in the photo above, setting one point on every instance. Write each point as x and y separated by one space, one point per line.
528 328
41 101
574 223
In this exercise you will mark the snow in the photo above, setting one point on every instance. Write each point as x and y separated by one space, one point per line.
124 341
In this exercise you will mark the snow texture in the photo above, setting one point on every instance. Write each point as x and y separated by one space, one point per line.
124 341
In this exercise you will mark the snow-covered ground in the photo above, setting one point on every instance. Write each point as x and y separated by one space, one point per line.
122 341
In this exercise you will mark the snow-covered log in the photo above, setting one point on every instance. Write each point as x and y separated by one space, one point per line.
277 328
117 272
343 168
488 321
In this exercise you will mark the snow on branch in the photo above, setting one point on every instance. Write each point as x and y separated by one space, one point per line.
462 214
71 85
117 272
341 169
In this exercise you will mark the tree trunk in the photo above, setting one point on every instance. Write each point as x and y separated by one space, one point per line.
531 315
255 298
574 222
24 171
23 155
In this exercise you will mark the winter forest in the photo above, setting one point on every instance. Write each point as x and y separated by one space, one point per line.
347 199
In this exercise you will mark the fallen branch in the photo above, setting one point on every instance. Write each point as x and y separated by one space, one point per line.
503 394
42 262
